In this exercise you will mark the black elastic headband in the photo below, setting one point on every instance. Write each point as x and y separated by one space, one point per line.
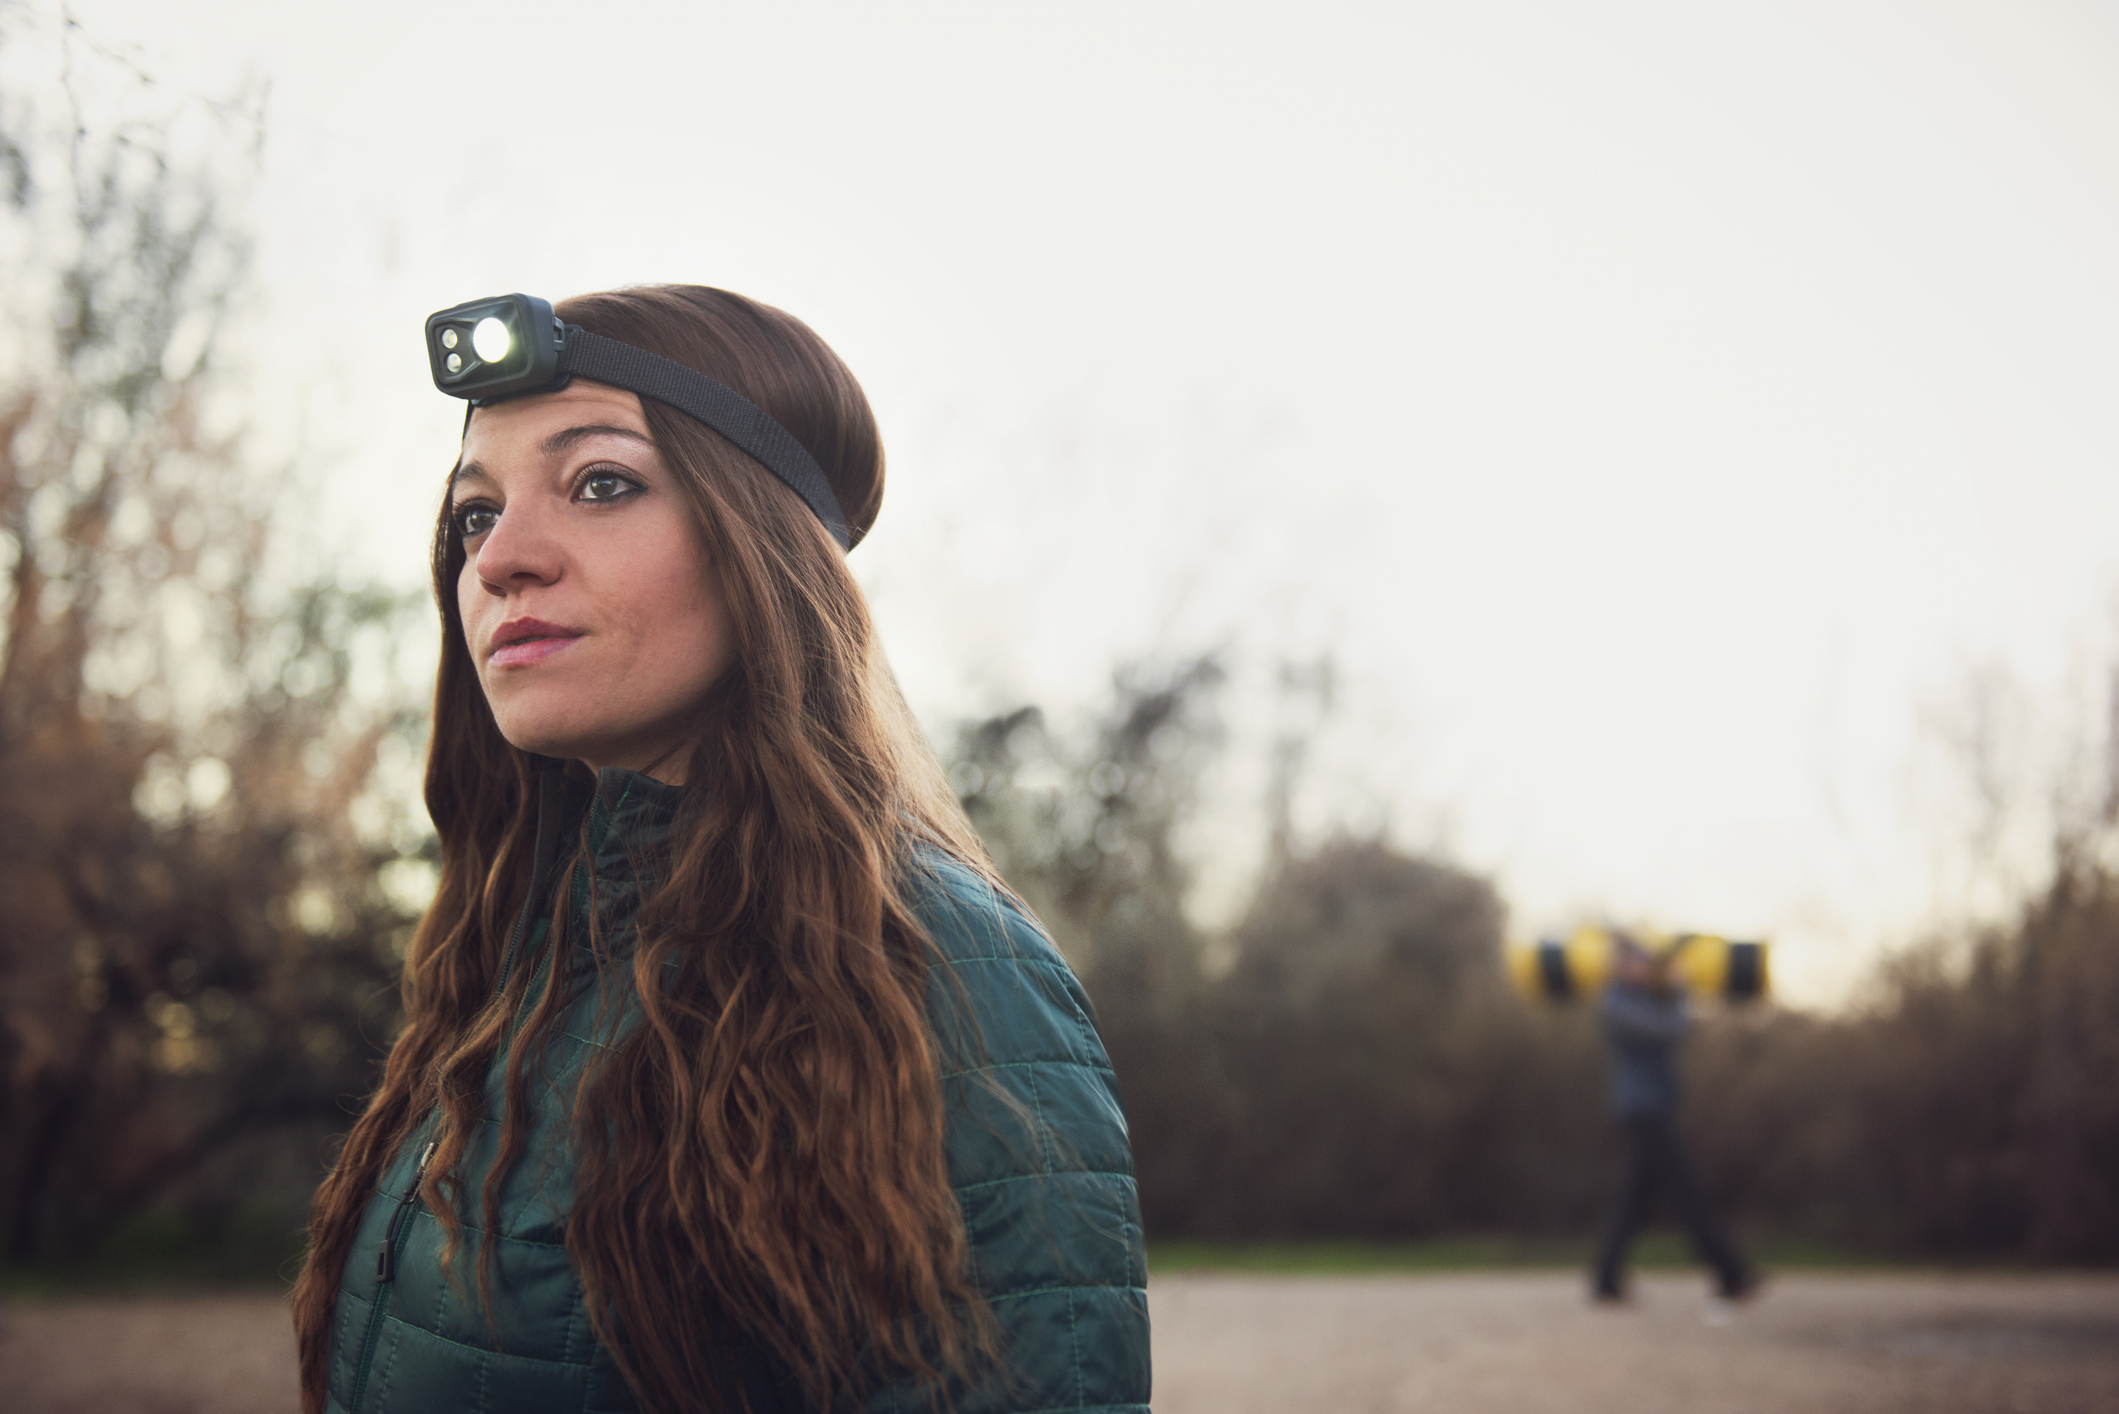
511 346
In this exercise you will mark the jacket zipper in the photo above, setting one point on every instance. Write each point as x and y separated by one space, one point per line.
392 1249
387 1256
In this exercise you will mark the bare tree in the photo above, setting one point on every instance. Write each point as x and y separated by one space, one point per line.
195 947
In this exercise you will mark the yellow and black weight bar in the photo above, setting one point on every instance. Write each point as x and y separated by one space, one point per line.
1704 963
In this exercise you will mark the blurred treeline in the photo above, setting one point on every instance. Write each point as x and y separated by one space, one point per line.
209 862
1349 1062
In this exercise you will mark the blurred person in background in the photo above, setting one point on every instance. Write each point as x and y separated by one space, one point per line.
1644 1018
732 1076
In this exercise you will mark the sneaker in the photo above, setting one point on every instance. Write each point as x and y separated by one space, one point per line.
1745 1289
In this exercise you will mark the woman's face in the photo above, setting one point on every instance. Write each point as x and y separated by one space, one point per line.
587 601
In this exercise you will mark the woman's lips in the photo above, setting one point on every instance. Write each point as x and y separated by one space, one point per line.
527 642
528 650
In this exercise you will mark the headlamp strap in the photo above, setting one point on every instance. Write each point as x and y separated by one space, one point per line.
717 405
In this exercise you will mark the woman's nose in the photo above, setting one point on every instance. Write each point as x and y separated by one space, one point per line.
519 549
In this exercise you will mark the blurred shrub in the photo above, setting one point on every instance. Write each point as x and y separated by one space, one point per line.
1972 1110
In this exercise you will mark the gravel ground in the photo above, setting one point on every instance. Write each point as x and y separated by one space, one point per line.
1467 1344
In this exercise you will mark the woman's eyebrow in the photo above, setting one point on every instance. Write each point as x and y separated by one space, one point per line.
466 471
560 441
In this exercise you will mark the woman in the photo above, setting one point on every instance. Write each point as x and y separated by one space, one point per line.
731 1076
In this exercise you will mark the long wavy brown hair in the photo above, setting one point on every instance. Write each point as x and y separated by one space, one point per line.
766 1147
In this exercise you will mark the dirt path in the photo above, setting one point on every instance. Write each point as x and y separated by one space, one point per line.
1526 1344
164 1355
1470 1344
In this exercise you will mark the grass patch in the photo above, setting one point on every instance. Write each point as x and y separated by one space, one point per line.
1654 1251
164 1251
1295 1258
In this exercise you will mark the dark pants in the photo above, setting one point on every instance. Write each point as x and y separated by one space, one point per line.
1654 1152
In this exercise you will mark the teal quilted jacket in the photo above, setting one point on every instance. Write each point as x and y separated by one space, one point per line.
1052 1216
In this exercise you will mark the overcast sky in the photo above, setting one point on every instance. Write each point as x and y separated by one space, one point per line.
1656 409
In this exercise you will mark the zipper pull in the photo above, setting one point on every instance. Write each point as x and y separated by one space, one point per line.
385 1257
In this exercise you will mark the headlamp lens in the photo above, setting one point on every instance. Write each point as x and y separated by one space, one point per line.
490 339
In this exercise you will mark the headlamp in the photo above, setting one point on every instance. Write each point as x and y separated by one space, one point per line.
512 345
495 348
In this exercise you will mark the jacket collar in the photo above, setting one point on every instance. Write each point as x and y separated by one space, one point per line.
629 818
629 821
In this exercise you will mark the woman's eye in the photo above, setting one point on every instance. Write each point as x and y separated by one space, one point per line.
605 486
475 519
